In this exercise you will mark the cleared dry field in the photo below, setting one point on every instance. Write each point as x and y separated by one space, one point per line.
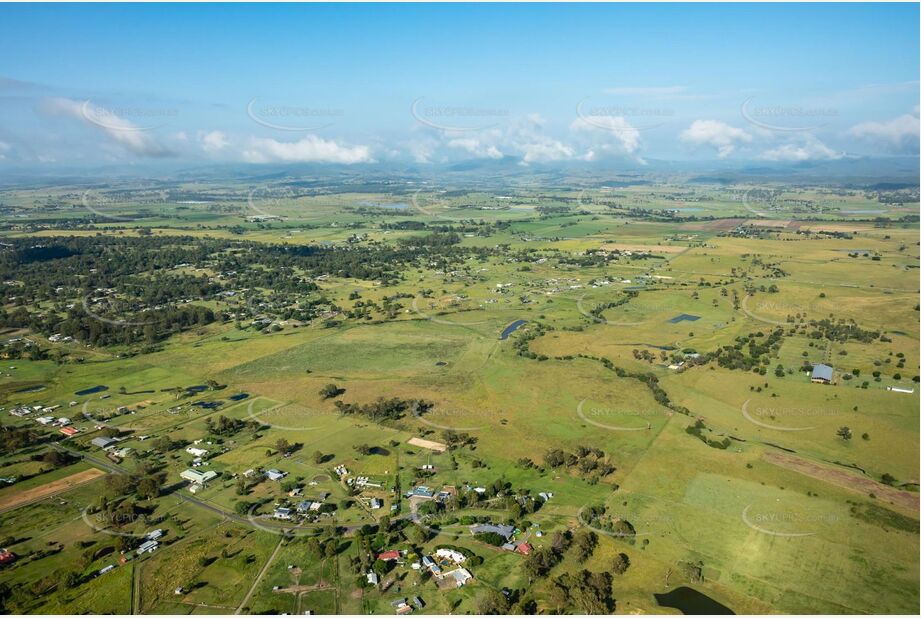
10 501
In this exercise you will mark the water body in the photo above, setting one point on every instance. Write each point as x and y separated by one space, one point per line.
32 389
684 317
207 405
691 602
511 328
392 205
94 389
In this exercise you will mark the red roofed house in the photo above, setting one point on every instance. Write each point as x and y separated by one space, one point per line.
525 549
69 431
389 555
6 557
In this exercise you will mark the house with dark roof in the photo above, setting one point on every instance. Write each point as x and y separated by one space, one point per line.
502 530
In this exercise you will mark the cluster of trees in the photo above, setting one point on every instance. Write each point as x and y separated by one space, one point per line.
586 460
384 409
140 279
148 327
841 331
13 438
598 517
229 426
599 310
750 352
698 429
587 592
457 439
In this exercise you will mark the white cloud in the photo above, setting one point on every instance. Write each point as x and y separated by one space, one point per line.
811 150
719 135
124 132
310 149
900 134
476 147
214 141
617 126
544 149
422 150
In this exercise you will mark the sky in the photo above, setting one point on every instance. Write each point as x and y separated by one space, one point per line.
442 83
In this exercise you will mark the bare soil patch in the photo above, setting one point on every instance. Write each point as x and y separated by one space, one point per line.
429 444
15 500
841 478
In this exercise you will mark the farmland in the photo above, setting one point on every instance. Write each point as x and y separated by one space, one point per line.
619 371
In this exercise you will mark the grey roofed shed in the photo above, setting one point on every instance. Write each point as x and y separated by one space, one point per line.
822 372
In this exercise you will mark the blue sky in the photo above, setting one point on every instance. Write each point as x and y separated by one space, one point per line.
436 83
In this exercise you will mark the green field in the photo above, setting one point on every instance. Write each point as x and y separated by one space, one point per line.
704 433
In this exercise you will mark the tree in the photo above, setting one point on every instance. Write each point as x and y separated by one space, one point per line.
282 446
416 535
585 543
491 603
844 432
148 488
621 564
331 391
317 457
68 580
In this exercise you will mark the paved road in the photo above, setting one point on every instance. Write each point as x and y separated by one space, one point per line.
99 463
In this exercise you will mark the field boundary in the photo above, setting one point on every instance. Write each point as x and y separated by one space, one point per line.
840 478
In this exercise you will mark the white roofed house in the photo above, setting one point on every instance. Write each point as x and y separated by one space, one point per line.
450 554
275 475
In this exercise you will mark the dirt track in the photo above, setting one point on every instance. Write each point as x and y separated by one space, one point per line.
15 500
841 478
